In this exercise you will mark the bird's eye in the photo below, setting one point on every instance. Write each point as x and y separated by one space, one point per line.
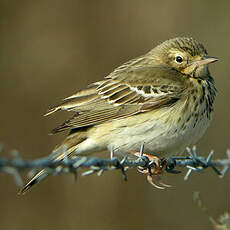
178 59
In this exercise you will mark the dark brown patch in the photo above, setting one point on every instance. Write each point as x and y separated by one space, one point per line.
188 119
147 89
184 126
119 94
196 106
123 98
202 99
192 91
154 90
197 117
203 88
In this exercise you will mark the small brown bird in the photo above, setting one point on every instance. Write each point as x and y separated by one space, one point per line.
163 99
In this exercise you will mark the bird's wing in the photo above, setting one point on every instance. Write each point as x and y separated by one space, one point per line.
123 93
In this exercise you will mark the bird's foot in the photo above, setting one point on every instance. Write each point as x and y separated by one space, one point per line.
155 168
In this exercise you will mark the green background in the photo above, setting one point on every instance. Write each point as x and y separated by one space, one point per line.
50 49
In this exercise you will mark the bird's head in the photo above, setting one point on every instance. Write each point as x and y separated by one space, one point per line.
185 55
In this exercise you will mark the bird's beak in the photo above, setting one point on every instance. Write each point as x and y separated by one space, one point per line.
205 61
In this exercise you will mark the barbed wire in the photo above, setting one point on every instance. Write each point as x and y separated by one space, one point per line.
15 165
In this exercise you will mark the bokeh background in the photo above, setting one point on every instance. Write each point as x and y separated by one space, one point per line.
50 49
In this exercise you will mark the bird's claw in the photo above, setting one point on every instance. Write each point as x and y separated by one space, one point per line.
162 185
155 167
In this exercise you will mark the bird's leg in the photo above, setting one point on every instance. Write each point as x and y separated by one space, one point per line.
156 167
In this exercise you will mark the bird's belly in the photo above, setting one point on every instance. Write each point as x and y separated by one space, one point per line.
164 132
163 136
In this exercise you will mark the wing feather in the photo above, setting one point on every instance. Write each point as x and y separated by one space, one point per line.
123 93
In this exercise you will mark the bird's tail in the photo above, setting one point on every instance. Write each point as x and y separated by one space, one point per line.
68 146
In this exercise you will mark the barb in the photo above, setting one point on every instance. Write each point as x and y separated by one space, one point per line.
93 165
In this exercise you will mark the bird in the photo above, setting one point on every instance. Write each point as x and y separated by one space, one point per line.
164 99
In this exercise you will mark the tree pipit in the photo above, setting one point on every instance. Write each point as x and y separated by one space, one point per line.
163 99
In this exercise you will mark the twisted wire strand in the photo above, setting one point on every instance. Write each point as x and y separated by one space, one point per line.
15 165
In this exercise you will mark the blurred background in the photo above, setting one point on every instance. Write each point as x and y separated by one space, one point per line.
50 49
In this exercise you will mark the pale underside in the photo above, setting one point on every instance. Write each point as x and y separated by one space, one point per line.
160 132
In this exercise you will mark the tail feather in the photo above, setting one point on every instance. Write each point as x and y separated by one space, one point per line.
37 178
62 151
